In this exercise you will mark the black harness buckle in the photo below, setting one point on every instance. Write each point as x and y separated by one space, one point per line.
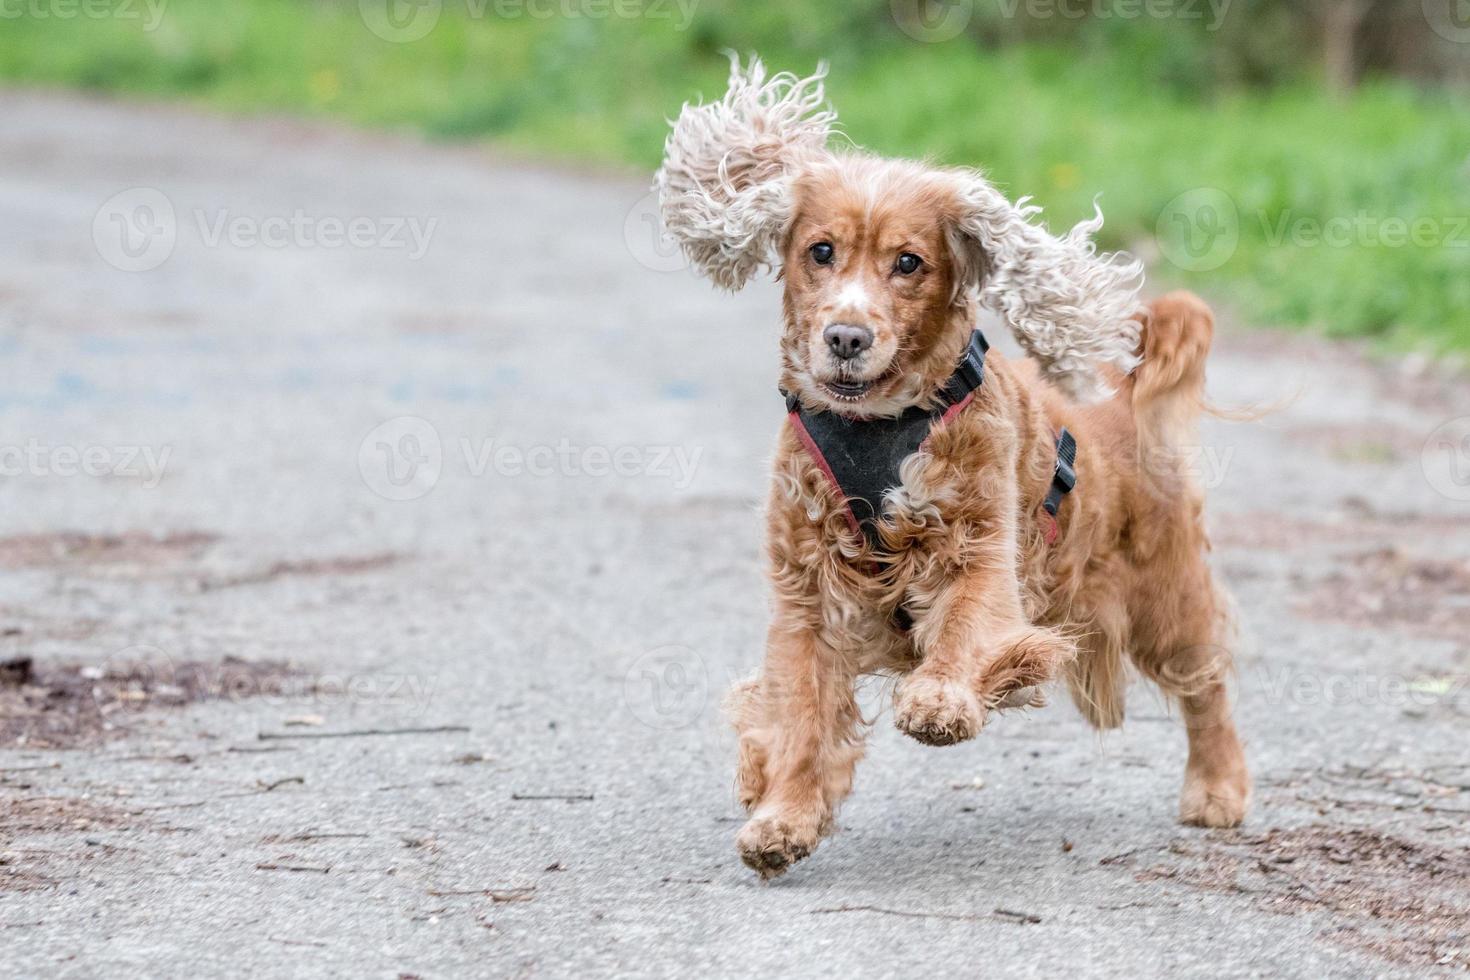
1064 479
968 377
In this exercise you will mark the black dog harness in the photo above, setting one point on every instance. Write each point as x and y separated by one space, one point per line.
861 457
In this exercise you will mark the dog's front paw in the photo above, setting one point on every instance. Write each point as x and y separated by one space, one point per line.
936 711
769 844
1218 802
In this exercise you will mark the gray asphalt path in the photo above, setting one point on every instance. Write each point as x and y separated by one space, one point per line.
491 463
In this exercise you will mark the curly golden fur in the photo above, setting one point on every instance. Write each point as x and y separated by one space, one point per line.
997 609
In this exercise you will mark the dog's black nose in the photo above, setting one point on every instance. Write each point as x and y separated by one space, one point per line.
848 340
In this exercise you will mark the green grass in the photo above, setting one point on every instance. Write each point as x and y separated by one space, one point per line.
1062 122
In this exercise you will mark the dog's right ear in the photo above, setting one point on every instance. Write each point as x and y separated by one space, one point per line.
725 184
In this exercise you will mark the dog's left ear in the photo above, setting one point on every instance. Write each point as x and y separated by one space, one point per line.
1070 307
725 184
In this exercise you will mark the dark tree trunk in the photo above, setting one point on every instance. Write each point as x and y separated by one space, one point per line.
1341 21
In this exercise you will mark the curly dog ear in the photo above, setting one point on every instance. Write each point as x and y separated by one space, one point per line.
1069 307
724 187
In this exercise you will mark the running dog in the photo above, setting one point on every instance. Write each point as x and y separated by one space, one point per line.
971 525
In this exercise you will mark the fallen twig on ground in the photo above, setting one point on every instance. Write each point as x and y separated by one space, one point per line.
272 866
521 893
1004 914
267 787
364 732
306 837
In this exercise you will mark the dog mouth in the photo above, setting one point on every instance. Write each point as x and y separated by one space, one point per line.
847 391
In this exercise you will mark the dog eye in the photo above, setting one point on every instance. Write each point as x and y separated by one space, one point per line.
822 253
908 263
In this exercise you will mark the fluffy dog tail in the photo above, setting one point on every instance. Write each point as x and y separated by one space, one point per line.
1169 389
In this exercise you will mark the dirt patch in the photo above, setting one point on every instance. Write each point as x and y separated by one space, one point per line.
1399 899
127 552
1388 588
1438 794
72 705
31 867
44 814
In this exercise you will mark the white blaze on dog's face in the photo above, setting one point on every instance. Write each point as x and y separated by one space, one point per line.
871 283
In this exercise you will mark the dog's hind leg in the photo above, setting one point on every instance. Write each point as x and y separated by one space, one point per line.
800 740
1189 658
1180 627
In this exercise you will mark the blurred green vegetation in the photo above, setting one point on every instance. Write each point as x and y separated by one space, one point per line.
1138 110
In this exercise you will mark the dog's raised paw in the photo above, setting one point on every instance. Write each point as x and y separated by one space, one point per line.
771 845
937 712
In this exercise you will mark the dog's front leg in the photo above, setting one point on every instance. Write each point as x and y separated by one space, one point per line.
978 652
800 739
